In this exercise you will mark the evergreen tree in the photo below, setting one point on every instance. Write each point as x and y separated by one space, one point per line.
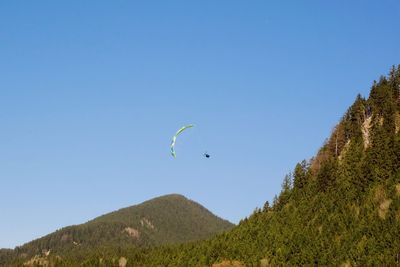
300 175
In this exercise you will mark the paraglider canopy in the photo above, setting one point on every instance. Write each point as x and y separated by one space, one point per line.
173 142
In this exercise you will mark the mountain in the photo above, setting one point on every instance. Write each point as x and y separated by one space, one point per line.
340 208
162 220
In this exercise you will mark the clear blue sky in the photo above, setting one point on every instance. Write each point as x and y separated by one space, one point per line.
92 91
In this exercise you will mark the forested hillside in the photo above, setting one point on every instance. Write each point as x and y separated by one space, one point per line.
168 219
340 208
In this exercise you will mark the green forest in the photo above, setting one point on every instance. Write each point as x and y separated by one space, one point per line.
339 208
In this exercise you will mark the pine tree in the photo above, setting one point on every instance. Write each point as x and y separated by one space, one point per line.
354 118
266 207
300 175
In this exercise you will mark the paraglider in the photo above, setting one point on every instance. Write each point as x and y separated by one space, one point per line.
173 153
173 142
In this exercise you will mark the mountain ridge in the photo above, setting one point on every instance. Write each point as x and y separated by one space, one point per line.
166 219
